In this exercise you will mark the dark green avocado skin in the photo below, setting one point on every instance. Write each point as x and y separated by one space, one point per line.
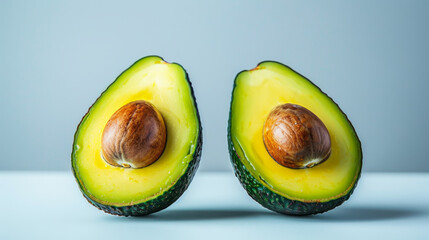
270 199
168 197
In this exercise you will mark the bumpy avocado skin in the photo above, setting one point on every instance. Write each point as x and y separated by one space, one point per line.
270 199
168 197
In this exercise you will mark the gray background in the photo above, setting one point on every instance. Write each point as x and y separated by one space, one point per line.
371 57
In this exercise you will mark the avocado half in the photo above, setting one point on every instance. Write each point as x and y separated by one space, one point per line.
141 191
285 190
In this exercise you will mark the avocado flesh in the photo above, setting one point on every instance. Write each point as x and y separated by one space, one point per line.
166 86
256 92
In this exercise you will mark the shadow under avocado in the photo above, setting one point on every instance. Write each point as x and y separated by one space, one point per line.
199 215
209 214
367 213
340 214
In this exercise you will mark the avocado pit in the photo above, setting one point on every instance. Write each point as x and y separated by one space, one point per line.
134 137
295 137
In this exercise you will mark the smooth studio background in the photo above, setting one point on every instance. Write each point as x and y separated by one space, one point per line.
371 57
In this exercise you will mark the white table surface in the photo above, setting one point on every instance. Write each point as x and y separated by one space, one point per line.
48 205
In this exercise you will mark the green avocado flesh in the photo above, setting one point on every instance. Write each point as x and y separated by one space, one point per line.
129 191
291 191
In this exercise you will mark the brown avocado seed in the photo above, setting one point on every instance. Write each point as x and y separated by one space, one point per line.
295 137
134 136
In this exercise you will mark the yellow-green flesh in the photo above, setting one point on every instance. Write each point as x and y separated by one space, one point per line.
256 93
165 86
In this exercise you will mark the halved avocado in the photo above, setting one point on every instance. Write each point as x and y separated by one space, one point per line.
139 191
294 191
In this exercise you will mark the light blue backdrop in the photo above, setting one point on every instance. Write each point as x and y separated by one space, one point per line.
371 57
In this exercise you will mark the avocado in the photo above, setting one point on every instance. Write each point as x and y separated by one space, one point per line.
292 148
138 147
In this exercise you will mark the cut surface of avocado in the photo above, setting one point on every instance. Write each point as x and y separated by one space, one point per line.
258 91
166 86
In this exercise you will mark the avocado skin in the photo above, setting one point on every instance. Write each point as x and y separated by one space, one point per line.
167 198
269 199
